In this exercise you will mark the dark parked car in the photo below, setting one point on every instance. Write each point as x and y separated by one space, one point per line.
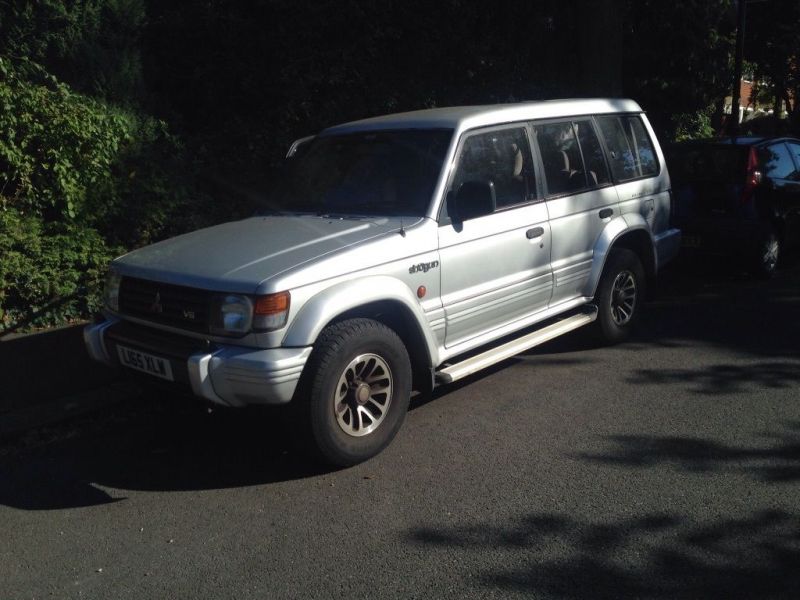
738 196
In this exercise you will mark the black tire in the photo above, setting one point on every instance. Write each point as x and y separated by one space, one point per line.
328 435
618 311
767 253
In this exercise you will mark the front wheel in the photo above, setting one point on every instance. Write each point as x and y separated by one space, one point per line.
619 295
355 391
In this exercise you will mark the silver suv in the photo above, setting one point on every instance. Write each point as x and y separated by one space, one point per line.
399 253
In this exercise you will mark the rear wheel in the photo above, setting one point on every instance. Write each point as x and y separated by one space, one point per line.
768 250
619 295
355 391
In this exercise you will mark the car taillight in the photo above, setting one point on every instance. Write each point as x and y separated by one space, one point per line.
752 176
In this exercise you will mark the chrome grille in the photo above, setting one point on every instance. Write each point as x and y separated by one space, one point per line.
173 305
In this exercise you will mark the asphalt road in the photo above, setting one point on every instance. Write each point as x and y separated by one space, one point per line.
667 467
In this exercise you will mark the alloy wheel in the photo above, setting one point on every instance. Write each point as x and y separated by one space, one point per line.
363 395
623 297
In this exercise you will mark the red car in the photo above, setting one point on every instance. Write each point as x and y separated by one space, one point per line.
738 196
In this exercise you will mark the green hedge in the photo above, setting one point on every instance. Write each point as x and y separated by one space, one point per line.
80 181
50 273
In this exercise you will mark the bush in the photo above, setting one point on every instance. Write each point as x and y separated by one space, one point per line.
55 146
80 180
50 273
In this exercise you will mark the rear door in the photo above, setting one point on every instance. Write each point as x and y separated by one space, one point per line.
643 185
792 196
580 199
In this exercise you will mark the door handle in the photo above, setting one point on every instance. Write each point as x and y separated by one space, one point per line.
605 213
534 233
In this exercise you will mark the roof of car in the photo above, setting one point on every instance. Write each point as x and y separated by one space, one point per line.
741 140
467 117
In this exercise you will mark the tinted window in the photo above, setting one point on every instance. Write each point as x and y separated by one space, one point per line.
502 157
794 149
365 173
592 154
776 162
630 149
561 156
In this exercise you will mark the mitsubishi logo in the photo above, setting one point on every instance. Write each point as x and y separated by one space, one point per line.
156 305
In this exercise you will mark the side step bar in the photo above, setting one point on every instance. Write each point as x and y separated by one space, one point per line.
475 363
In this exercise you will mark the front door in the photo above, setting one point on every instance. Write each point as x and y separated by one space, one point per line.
495 267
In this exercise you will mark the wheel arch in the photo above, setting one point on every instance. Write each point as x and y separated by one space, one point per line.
383 299
633 233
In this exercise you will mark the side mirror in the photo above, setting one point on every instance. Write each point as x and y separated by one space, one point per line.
473 199
298 147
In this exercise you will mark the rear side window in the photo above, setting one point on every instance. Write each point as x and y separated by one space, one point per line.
630 150
776 162
572 158
502 157
596 169
558 146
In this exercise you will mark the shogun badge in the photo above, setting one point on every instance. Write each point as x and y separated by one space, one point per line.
423 267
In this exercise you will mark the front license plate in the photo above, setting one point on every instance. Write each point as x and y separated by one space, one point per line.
147 363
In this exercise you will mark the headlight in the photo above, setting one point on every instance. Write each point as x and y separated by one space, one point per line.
231 314
271 311
111 294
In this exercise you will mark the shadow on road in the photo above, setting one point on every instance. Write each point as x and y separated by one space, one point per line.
724 378
656 556
711 303
776 462
161 444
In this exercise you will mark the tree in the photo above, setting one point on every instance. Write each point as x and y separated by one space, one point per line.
678 57
772 43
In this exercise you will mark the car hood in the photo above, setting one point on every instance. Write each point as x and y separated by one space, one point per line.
239 255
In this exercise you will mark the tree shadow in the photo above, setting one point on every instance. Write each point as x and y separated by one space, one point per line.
723 307
156 444
164 445
655 556
164 442
776 462
40 368
723 379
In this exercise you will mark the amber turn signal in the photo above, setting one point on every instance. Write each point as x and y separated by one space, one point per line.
272 304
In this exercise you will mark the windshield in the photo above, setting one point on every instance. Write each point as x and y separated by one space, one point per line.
386 173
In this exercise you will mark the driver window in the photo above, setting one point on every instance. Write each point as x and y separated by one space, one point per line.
502 157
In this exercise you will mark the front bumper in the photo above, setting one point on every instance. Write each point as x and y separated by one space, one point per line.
226 375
